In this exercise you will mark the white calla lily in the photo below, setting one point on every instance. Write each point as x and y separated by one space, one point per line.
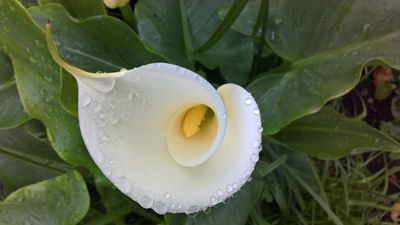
144 128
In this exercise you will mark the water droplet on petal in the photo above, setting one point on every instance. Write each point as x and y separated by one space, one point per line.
192 209
146 202
167 195
254 158
123 71
248 101
229 188
160 207
213 200
124 185
220 193
256 111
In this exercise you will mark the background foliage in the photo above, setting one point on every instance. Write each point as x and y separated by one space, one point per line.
302 60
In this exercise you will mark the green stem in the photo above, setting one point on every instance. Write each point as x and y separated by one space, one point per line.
232 15
129 17
186 30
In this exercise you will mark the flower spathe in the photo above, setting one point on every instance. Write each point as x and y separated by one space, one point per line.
131 123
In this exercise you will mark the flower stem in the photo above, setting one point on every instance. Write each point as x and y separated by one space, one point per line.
128 16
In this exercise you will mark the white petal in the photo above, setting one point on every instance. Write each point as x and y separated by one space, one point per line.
133 132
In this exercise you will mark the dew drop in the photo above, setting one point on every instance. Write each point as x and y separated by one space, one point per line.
229 188
123 71
124 185
234 185
254 158
192 209
160 207
273 36
366 27
213 200
248 101
256 144
260 129
98 156
220 193
167 195
146 202
114 119
256 111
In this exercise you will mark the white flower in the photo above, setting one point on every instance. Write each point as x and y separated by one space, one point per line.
165 137
112 4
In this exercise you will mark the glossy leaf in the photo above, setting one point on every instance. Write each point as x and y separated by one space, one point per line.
63 200
232 54
69 93
37 78
24 159
80 9
325 44
330 135
12 112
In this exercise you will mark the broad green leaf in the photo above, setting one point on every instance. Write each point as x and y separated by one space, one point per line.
162 25
38 81
80 9
63 200
330 135
247 19
101 43
325 44
24 159
234 211
12 112
69 93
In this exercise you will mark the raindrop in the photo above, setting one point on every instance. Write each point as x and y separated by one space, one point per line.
256 111
220 193
160 207
124 185
192 209
37 43
146 202
272 36
213 200
278 21
256 144
260 129
254 158
132 95
98 156
365 27
223 115
123 71
248 101
114 119
234 185
229 188
167 195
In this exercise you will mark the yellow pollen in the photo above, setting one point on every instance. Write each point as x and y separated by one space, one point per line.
193 119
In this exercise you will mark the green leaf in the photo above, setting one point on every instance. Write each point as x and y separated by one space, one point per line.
69 93
325 44
63 200
38 81
12 112
24 159
234 211
247 19
80 9
330 135
162 24
114 47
